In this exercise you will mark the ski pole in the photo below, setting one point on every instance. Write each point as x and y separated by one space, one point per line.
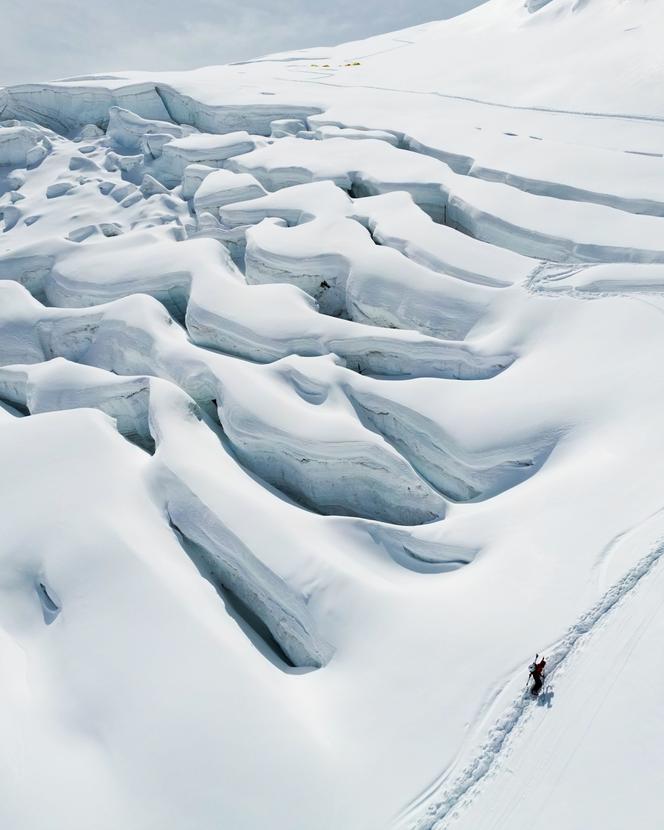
530 673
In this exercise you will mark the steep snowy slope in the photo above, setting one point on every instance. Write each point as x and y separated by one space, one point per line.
330 391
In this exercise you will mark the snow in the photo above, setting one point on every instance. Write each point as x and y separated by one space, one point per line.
330 392
224 188
126 130
22 145
614 658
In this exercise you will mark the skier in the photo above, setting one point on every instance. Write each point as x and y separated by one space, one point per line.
537 673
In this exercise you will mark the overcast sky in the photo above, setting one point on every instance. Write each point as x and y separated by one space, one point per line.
49 39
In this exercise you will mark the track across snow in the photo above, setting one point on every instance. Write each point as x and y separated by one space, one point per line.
445 803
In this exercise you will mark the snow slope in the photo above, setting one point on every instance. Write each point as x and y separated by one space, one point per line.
330 391
612 702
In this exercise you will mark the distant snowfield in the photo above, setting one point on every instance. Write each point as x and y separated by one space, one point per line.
330 391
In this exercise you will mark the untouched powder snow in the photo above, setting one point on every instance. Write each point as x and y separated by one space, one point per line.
330 392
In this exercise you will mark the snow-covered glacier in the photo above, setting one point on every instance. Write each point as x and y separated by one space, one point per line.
330 392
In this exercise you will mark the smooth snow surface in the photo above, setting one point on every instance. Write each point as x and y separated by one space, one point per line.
330 392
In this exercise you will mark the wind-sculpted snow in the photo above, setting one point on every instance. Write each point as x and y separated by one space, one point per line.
393 220
547 167
233 567
362 167
491 211
333 131
600 280
346 477
320 375
337 263
438 460
230 562
184 276
422 555
58 384
433 304
557 230
348 470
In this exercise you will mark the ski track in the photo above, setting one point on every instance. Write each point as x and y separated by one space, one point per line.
446 805
483 102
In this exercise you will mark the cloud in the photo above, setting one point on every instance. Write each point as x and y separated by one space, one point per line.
49 39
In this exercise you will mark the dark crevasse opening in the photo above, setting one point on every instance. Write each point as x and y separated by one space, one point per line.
249 622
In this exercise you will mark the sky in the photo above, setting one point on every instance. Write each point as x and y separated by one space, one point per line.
49 39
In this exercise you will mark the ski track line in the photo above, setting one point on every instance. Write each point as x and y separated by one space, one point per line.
542 769
623 656
620 116
489 753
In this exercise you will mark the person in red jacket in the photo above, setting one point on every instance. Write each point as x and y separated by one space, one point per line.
537 673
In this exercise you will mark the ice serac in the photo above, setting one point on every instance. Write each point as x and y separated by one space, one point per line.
222 187
337 263
254 117
200 148
67 107
23 146
192 178
295 205
363 167
126 129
